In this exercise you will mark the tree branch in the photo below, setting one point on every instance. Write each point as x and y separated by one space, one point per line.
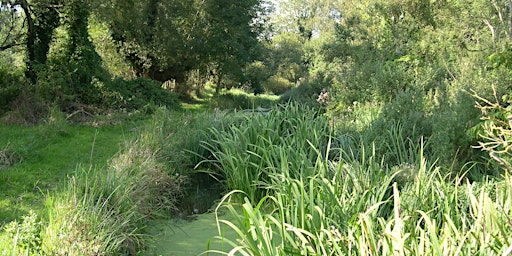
8 46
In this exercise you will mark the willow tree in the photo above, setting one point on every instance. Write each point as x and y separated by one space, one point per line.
164 40
231 36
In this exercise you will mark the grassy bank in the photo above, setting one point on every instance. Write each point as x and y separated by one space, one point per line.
91 188
40 159
83 189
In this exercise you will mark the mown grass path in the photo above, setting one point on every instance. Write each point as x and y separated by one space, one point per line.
46 156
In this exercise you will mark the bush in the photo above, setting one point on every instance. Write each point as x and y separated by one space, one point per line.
25 235
11 85
27 109
66 85
307 91
135 94
277 85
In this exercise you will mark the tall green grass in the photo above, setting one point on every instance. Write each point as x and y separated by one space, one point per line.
242 152
239 99
303 201
95 216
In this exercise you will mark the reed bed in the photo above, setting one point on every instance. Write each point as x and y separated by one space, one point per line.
299 195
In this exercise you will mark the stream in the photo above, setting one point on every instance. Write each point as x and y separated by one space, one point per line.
176 237
194 229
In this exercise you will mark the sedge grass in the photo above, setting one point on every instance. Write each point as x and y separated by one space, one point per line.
434 217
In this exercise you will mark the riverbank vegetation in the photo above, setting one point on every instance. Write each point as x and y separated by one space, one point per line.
308 127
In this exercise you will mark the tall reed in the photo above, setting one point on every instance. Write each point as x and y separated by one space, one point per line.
243 151
360 204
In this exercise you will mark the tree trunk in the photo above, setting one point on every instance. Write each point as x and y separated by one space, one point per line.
31 38
218 84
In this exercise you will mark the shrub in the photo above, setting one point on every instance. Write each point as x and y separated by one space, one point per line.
25 235
11 85
27 109
277 85
135 94
307 91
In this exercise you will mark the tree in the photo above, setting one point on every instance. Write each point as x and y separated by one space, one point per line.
230 37
155 36
11 29
165 40
40 20
286 56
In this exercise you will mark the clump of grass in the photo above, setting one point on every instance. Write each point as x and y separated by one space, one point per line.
95 216
8 156
103 211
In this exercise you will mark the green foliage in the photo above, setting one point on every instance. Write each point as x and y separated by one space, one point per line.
255 73
11 85
241 100
26 235
67 86
360 206
113 61
277 85
414 117
242 152
403 57
307 91
286 56
102 210
94 216
135 94
167 40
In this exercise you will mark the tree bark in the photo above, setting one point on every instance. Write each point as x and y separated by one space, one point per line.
31 38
